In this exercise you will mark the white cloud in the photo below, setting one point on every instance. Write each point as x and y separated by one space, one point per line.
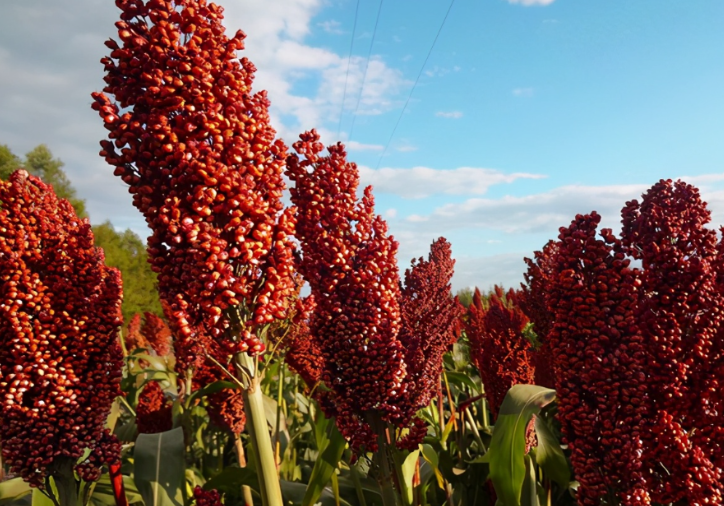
528 221
420 182
449 114
523 92
391 213
358 146
537 212
531 2
703 179
331 26
485 271
406 148
49 56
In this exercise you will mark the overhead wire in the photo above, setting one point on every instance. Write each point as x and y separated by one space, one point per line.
424 63
346 77
367 65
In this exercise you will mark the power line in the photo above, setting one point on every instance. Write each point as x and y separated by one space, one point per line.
346 77
404 108
367 64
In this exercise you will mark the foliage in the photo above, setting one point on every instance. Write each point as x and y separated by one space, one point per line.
465 296
9 162
126 252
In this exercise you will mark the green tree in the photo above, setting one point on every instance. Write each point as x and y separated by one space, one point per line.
8 162
40 162
126 251
465 296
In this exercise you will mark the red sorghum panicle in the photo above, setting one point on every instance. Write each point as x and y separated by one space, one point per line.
349 262
428 316
195 146
153 412
304 353
134 338
600 379
679 312
207 497
532 301
157 334
498 347
60 313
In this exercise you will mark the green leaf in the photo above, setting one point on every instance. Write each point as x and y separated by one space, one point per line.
156 363
529 496
113 415
127 432
211 388
506 454
103 493
159 467
430 456
12 490
294 493
448 429
231 479
549 455
408 472
330 455
462 379
40 499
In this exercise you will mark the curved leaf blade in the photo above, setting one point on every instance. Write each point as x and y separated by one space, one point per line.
325 465
12 490
158 469
549 455
506 455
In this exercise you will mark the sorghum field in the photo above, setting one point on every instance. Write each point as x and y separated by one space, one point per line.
293 361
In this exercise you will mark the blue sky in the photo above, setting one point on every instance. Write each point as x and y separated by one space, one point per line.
525 114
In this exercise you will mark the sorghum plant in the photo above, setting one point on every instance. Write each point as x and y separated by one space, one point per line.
532 300
349 262
60 358
153 412
639 351
498 347
428 318
195 146
133 337
599 354
381 344
157 334
680 314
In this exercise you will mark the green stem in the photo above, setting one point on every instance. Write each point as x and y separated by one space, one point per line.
474 428
354 472
280 399
65 482
382 459
256 425
241 458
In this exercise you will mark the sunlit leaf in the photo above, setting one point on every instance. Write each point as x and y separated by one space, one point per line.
331 453
12 490
159 469
549 455
506 455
